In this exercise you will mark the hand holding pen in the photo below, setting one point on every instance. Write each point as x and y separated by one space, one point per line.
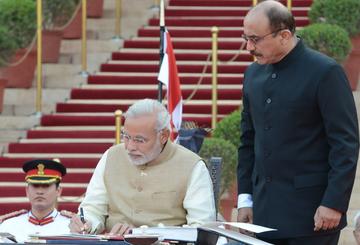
79 224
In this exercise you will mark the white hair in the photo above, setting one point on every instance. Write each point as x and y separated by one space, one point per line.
150 106
357 220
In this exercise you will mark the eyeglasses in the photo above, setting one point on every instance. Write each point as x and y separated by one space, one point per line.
138 140
256 39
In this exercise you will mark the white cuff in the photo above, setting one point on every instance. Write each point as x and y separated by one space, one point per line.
244 201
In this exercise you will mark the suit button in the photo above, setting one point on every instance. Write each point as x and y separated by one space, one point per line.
273 76
268 100
268 179
267 154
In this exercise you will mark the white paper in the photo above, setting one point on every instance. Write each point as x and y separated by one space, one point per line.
249 227
170 232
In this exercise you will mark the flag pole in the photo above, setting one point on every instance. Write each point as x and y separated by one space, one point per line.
162 31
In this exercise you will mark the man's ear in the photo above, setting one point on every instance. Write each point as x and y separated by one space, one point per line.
164 136
27 190
59 190
286 36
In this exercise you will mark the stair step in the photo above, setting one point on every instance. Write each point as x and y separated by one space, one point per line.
63 81
184 11
23 184
23 110
75 140
70 177
27 96
180 57
52 155
184 45
204 94
96 120
74 46
134 79
39 134
98 107
231 21
59 147
15 191
11 135
232 3
7 207
181 68
154 86
204 32
12 162
18 122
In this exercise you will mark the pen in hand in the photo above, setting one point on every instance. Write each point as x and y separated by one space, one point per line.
82 218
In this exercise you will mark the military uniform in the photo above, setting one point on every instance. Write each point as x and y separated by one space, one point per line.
23 223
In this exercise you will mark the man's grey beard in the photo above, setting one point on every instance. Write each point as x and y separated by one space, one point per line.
154 153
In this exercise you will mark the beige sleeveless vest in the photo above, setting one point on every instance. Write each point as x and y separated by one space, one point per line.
148 194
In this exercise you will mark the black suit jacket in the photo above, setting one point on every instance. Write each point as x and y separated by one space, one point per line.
299 143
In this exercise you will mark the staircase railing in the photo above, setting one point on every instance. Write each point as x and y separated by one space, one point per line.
118 115
214 31
39 14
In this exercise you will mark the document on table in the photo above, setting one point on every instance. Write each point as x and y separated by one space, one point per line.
249 227
188 234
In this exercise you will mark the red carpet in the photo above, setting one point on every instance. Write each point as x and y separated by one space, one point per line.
183 45
232 3
100 79
19 191
223 94
144 32
179 57
218 12
69 120
69 177
58 147
6 162
211 22
62 120
84 134
73 107
10 207
181 68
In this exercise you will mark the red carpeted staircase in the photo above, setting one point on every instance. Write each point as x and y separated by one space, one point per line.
82 128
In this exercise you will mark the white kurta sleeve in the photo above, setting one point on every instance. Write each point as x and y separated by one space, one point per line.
199 198
95 203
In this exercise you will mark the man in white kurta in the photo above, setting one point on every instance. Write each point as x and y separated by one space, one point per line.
147 180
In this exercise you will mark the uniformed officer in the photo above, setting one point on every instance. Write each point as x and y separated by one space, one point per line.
43 179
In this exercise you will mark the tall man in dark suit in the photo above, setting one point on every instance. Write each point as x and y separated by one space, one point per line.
299 142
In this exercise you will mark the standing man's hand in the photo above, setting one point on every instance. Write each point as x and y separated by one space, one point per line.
326 218
245 215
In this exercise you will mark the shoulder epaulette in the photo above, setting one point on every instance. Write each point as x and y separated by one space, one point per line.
12 215
67 214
